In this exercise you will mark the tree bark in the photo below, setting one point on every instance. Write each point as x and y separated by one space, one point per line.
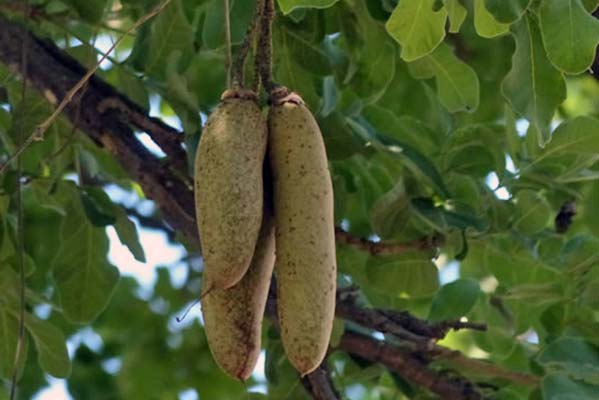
53 73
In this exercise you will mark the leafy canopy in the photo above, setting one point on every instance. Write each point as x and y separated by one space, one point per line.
473 119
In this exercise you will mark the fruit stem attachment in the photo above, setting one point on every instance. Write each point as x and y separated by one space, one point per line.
264 58
238 69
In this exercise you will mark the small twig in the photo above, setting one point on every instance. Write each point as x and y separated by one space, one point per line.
264 58
250 38
38 133
382 248
189 308
228 56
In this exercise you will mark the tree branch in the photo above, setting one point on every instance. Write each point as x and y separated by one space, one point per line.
420 336
407 366
401 324
382 248
54 73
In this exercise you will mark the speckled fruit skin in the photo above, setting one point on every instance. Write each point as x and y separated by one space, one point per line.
229 187
233 317
305 238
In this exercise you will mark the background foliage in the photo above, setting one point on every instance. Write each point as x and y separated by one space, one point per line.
470 118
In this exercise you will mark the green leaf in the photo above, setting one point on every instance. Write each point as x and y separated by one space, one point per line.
456 13
507 11
374 74
485 23
590 214
98 206
503 252
289 72
454 300
558 386
570 34
532 212
205 81
572 355
440 219
127 232
417 27
591 5
289 5
580 253
414 160
51 346
90 10
533 87
390 211
578 136
411 273
337 332
213 33
457 83
28 113
84 278
172 36
8 341
133 88
308 55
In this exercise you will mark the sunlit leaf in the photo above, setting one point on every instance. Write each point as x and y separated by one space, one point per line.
533 87
411 273
84 278
457 83
570 34
417 27
51 346
507 11
454 300
485 23
456 13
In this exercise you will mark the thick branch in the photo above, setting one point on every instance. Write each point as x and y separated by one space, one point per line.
382 248
54 73
401 324
419 338
407 366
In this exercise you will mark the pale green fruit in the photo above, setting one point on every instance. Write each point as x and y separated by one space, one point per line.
305 237
233 317
229 187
